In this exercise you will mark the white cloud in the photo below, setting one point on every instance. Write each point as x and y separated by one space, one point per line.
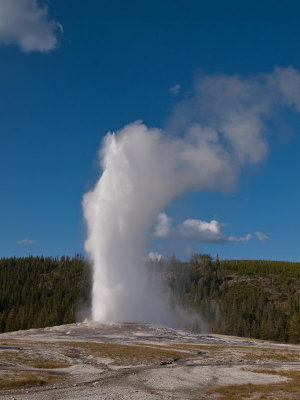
206 232
240 238
196 230
27 24
261 236
163 225
26 241
175 89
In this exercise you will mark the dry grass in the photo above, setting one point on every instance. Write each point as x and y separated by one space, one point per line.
13 342
288 373
18 379
126 354
271 354
190 346
22 357
243 353
29 344
289 390
40 362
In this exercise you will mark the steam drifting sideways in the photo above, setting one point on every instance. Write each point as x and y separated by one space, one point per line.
211 135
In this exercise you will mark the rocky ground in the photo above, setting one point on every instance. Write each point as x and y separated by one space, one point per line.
143 362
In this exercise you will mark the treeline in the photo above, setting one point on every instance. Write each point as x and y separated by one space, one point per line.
42 291
259 299
250 298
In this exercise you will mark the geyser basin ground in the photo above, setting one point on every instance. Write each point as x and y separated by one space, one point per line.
142 361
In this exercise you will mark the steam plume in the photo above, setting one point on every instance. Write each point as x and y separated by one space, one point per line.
218 130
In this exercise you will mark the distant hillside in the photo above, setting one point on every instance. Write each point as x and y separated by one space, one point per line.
258 299
251 298
42 291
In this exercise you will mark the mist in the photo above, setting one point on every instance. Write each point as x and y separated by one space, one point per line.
219 129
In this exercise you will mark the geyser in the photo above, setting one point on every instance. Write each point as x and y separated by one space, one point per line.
210 136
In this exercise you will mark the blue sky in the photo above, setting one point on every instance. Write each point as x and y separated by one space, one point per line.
114 63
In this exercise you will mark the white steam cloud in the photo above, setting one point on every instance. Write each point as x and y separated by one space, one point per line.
211 136
25 23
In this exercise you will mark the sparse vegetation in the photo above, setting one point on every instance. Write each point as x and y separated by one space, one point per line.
15 379
244 354
289 390
34 360
278 355
124 354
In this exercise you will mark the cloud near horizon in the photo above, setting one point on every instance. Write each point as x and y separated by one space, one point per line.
261 236
27 24
154 256
196 230
26 241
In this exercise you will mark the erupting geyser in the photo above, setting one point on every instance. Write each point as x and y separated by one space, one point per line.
210 136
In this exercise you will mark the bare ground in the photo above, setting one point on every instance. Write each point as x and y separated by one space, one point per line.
143 361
